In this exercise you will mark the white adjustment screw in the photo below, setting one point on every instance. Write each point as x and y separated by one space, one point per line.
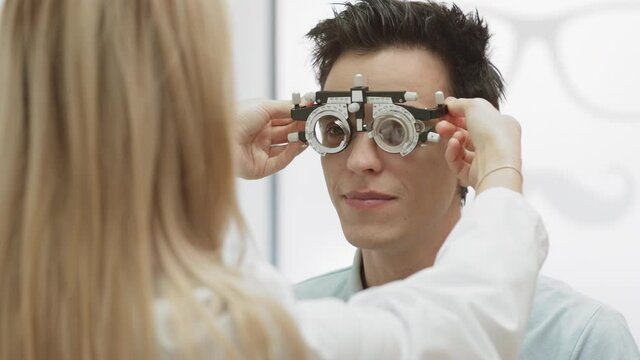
439 98
410 96
433 137
353 107
293 137
310 97
295 98
358 80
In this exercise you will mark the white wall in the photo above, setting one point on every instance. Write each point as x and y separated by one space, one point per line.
250 30
580 164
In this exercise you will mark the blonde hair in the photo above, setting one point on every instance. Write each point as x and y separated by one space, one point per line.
117 185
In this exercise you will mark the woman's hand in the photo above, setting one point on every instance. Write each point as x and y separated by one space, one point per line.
261 138
484 147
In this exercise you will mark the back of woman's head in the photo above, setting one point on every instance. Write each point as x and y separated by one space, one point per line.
116 182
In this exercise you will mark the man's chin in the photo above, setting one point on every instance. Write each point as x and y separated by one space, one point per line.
370 239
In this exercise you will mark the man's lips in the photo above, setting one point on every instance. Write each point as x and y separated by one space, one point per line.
367 199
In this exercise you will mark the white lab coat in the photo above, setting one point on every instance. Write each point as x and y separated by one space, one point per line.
472 304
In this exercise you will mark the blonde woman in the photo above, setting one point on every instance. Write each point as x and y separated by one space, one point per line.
117 191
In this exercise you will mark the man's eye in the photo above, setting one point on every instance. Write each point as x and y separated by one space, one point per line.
334 130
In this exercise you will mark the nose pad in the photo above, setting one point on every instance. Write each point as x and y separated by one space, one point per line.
363 154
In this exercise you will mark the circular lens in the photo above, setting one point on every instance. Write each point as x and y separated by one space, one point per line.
394 129
391 131
330 131
327 128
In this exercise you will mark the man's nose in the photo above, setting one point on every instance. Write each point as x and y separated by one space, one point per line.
363 155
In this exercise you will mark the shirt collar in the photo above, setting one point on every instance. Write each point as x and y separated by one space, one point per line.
354 281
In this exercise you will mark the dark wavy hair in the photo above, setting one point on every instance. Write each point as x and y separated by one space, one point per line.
461 40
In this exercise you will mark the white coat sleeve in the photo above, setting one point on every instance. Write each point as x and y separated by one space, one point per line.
472 304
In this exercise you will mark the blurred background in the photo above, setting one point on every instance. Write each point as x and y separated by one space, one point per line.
573 81
573 75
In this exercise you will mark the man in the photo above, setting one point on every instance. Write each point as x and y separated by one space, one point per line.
399 210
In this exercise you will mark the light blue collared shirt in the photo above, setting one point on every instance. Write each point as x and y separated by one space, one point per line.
563 324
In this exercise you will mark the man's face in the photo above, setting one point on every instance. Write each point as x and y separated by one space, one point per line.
386 201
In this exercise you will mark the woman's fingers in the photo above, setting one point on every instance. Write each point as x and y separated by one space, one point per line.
282 121
449 130
281 156
445 129
277 109
461 108
492 142
459 159
454 154
457 121
449 125
279 133
464 138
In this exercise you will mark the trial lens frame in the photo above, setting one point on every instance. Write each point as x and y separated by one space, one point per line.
340 103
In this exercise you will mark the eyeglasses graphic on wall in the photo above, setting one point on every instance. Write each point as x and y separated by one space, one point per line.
595 51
